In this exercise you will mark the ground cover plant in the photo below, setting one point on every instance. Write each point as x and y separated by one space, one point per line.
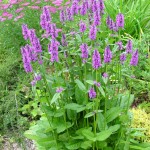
79 79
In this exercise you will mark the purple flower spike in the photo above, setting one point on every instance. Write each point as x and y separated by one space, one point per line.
122 57
63 40
120 46
107 55
83 9
97 18
105 75
62 16
53 49
92 93
98 84
59 90
69 14
47 14
33 83
25 31
93 32
101 6
120 20
26 59
95 6
82 26
96 60
37 77
43 21
129 47
134 59
84 50
75 7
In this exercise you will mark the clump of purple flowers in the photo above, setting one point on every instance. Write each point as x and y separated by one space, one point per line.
59 90
93 32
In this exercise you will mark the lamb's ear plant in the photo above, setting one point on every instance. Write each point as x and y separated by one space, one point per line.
79 82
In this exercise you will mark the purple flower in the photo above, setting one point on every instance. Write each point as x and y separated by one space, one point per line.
59 90
83 9
63 40
26 59
96 60
25 31
37 77
53 49
84 50
105 75
108 19
97 18
120 46
69 14
94 6
129 47
82 26
36 45
43 21
122 57
93 32
74 7
107 55
101 6
62 16
52 30
33 82
120 20
47 14
98 84
92 93
115 27
134 59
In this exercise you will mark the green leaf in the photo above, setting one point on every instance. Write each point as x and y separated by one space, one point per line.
90 114
102 91
90 82
74 106
86 144
88 134
73 145
103 135
114 128
80 85
55 97
112 114
31 135
101 121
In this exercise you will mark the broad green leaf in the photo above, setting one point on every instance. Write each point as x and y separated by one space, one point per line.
80 85
86 144
73 145
31 135
90 114
74 106
101 121
89 134
103 135
114 128
55 97
112 114
90 82
102 91
80 96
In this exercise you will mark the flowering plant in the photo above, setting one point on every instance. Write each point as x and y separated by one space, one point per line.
79 79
